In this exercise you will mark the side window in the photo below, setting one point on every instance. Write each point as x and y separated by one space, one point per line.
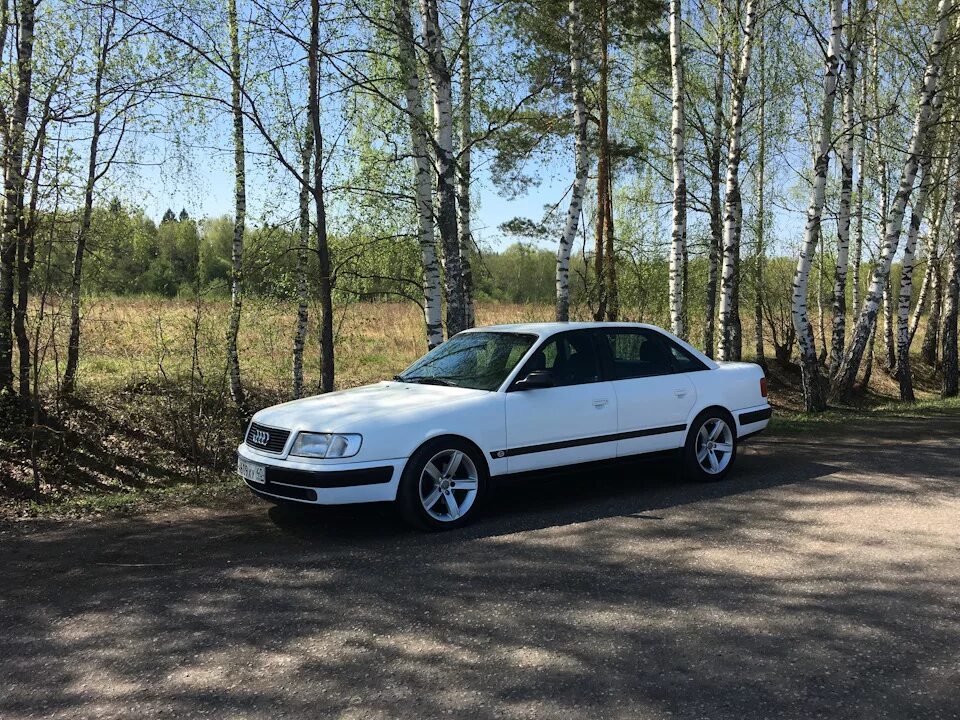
637 353
570 357
683 360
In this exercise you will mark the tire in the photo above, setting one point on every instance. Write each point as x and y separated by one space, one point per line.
429 497
711 448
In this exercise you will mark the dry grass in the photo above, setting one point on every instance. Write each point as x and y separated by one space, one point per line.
153 414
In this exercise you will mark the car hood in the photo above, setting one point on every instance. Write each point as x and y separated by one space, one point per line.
358 409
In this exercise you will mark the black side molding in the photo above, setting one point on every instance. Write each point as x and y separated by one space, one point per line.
339 478
577 442
756 416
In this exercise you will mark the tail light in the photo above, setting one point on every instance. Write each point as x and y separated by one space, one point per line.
763 387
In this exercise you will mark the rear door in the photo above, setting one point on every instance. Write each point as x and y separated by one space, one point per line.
575 421
654 399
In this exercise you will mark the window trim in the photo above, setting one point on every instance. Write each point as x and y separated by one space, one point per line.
606 352
590 333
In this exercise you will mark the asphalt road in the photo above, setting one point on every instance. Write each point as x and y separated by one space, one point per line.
821 580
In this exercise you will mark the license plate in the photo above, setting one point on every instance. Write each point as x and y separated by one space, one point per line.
251 471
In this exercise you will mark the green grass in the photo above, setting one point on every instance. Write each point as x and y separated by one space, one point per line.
223 488
792 422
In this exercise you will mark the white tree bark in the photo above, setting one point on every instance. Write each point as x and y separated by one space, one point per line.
240 213
714 152
903 372
464 162
809 363
581 161
678 246
419 141
951 307
439 73
14 182
847 372
733 206
838 335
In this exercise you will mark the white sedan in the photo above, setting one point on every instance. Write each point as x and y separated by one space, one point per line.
505 400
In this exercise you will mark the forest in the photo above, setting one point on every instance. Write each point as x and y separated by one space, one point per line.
773 181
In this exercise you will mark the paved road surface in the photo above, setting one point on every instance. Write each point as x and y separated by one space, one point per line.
821 580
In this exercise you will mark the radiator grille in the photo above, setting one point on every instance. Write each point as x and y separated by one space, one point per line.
267 438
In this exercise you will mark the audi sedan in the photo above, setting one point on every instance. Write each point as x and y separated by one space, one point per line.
505 400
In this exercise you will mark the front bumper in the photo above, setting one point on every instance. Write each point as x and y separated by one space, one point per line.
326 483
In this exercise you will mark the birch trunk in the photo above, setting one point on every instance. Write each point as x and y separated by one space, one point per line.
13 189
73 344
951 304
904 374
575 39
931 337
303 250
846 375
440 85
838 335
813 395
761 179
320 213
716 207
678 246
733 207
464 167
930 251
240 215
432 310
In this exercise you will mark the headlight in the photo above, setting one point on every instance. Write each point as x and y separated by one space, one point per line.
326 445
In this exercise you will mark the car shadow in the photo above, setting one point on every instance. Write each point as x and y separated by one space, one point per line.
640 489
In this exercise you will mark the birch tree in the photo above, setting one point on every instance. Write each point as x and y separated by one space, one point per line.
951 306
847 372
581 160
714 153
240 213
903 372
678 250
838 335
464 162
419 138
733 205
814 399
14 182
438 71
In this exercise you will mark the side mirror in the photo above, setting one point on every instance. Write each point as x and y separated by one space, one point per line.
536 380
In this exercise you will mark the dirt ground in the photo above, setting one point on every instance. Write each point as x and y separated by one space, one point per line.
822 579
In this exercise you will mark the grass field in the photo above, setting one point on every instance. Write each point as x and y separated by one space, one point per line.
153 418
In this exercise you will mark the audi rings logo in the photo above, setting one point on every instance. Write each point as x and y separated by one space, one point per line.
259 437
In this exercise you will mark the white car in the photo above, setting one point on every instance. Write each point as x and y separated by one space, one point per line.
505 400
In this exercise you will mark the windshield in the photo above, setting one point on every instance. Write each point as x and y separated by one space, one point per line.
476 360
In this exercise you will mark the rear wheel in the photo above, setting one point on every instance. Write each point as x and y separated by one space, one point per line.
442 485
711 446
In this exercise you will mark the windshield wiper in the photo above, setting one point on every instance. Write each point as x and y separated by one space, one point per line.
427 380
399 378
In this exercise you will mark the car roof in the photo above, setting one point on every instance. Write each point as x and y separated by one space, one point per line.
544 329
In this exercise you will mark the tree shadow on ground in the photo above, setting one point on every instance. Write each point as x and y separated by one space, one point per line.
812 583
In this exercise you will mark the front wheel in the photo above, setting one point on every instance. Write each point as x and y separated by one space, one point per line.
711 446
442 484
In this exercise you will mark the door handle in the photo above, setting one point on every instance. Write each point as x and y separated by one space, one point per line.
600 403
680 392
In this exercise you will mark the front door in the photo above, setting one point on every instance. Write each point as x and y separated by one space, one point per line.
572 422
